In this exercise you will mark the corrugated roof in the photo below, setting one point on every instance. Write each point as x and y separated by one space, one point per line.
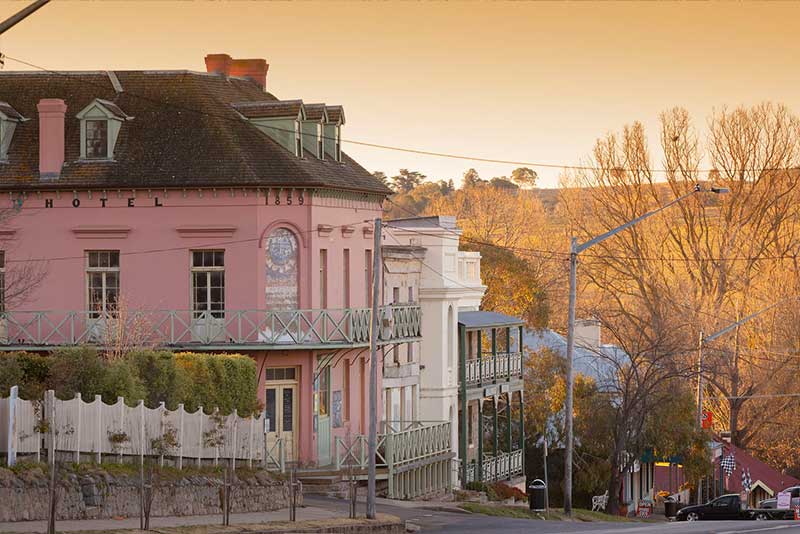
185 134
486 319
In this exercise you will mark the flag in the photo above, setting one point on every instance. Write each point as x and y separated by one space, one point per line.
728 464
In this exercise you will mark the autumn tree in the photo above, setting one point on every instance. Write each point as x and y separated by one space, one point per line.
706 261
524 177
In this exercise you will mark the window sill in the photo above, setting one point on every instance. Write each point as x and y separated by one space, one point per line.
96 160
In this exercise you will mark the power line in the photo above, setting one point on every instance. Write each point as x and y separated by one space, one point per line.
554 253
409 150
171 249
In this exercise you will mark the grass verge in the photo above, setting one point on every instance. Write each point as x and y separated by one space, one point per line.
555 514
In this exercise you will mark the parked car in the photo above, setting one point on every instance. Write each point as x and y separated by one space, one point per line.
727 507
773 502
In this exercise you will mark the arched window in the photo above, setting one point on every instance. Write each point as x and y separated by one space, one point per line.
281 263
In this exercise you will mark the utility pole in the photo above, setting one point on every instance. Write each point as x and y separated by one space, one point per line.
573 291
372 440
13 20
574 250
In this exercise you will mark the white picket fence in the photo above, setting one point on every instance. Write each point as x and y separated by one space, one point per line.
98 431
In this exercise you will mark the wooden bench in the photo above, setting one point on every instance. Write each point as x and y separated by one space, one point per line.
599 502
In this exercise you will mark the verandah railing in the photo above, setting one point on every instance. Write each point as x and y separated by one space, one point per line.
416 455
188 327
504 466
509 364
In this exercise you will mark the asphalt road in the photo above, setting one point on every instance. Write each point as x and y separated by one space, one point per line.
439 521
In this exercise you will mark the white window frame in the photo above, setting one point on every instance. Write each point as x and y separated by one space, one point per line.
104 271
298 138
207 270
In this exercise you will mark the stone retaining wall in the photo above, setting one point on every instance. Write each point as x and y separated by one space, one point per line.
96 494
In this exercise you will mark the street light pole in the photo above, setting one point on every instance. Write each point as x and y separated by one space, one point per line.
700 381
573 290
575 249
372 439
712 337
16 18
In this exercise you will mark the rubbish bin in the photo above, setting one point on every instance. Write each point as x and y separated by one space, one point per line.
670 508
536 495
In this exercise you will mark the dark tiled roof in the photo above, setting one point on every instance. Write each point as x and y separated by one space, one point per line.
113 108
315 112
10 112
185 134
270 109
335 113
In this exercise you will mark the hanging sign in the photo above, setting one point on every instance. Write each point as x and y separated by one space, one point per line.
708 419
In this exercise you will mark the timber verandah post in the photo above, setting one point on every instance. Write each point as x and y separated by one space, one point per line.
479 475
462 371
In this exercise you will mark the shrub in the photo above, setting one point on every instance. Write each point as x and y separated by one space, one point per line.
164 380
24 369
76 370
504 491
120 379
224 381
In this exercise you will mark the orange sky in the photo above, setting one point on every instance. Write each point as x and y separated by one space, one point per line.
520 81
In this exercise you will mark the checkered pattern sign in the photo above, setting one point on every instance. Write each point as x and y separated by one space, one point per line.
728 464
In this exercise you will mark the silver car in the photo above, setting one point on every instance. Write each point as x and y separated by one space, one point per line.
773 502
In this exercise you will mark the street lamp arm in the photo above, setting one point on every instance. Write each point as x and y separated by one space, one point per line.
602 237
740 322
21 15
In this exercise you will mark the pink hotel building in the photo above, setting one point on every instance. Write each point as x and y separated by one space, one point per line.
209 216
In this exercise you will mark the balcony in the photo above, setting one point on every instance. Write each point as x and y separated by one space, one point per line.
487 370
188 329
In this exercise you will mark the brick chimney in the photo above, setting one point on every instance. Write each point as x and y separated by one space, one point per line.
254 70
218 64
51 137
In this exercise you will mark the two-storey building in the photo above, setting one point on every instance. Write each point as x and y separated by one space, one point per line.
196 211
471 360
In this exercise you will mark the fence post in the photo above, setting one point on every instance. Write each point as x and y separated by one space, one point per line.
200 450
250 445
98 402
49 416
180 434
235 442
12 425
162 414
79 403
121 404
141 432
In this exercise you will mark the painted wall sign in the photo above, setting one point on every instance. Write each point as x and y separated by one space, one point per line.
101 202
337 409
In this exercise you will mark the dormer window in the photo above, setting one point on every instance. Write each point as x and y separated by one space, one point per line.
96 139
320 143
101 122
333 132
9 118
280 120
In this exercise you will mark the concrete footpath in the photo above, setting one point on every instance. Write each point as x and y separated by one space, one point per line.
105 525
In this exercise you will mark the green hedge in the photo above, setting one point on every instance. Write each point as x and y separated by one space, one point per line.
223 381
